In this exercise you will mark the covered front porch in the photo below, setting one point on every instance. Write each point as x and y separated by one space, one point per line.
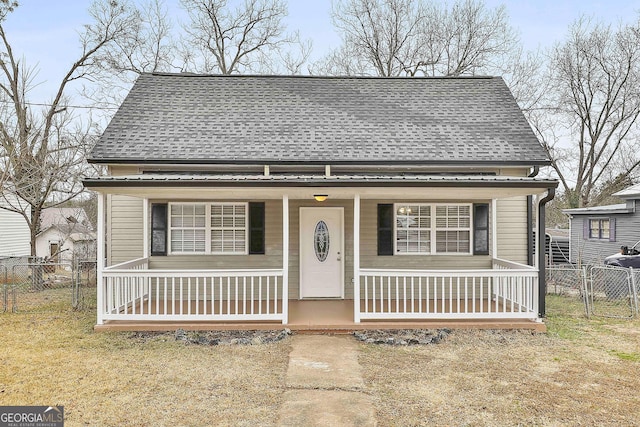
134 298
410 291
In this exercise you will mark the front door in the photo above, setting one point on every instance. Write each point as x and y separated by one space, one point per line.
321 253
54 248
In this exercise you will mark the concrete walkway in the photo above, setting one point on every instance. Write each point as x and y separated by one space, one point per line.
324 384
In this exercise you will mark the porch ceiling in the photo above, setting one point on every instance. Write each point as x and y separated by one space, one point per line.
441 187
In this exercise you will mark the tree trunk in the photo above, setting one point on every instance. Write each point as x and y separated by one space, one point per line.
37 279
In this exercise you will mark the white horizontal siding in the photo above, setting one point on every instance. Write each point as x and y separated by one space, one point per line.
512 229
125 229
14 235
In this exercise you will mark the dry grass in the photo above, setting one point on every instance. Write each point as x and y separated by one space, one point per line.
110 379
582 372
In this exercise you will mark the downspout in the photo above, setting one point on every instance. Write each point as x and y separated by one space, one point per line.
530 241
542 282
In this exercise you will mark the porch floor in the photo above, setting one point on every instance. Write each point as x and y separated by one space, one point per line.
321 316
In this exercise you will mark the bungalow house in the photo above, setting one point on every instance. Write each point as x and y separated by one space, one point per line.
600 231
235 201
65 235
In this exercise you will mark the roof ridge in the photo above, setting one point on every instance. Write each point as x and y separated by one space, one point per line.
301 76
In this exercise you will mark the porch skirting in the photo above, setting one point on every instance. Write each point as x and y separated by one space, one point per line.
322 316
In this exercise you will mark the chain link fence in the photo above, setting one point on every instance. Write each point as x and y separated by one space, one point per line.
604 291
31 284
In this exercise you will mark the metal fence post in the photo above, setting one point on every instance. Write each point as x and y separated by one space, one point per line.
585 290
634 291
5 294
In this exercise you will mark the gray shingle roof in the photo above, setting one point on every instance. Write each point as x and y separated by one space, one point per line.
186 118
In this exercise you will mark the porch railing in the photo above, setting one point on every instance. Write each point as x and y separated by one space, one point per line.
509 290
133 292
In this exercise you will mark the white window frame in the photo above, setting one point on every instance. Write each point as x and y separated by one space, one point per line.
433 229
208 228
246 228
170 228
468 229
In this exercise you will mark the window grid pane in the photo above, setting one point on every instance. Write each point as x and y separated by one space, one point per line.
413 229
228 228
453 229
599 228
188 228
604 229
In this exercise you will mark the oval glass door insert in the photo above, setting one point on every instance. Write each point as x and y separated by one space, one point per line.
321 241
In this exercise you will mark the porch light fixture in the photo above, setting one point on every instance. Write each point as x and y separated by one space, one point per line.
320 197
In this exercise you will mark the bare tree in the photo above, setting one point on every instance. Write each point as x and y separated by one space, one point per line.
387 35
287 61
234 41
594 76
149 47
409 37
474 39
43 145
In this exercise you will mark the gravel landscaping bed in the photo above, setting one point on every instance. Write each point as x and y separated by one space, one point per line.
402 336
216 337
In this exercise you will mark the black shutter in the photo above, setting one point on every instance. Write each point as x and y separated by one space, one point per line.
159 229
256 228
481 229
385 229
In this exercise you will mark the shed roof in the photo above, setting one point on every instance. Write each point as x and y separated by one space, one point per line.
196 119
594 210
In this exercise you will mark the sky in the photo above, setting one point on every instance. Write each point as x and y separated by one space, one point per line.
45 32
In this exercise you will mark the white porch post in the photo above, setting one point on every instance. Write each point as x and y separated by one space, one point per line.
145 228
100 259
356 258
494 228
536 243
285 259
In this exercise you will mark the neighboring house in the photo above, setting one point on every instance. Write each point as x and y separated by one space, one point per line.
66 235
58 215
402 202
600 231
15 238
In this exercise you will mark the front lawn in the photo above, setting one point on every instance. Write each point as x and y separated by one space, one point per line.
117 379
582 372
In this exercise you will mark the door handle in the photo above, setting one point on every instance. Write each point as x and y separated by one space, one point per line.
339 257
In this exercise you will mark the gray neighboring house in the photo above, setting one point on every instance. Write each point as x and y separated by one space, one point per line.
318 203
600 231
